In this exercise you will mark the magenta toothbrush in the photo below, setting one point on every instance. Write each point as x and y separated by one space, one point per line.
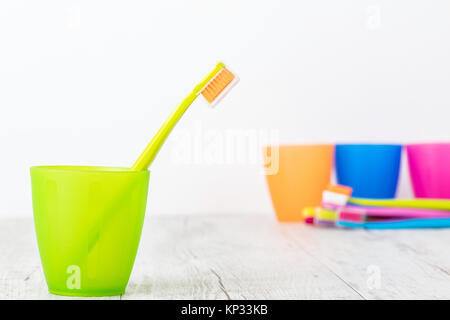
359 214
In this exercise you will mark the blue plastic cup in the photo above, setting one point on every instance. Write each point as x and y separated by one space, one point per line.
372 170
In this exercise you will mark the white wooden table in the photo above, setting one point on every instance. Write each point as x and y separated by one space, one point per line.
254 257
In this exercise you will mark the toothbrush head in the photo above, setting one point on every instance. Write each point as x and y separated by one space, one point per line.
219 86
335 196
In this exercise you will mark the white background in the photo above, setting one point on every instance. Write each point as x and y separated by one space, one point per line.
90 82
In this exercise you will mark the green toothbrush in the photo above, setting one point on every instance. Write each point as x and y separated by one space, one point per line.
438 204
213 87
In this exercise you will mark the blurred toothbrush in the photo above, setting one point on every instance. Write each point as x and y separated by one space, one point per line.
359 214
399 224
438 204
339 208
338 195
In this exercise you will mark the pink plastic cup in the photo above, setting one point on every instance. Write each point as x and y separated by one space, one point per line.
429 168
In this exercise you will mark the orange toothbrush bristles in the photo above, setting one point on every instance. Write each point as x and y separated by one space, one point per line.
216 87
340 189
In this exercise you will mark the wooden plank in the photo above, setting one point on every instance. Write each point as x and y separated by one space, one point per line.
253 257
382 264
238 257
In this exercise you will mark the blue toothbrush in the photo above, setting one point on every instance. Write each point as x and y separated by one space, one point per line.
399 224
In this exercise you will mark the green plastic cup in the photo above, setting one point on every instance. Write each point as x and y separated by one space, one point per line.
88 224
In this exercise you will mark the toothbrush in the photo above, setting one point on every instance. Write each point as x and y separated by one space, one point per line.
352 217
338 195
437 204
358 214
354 214
308 214
399 224
319 216
325 217
213 87
335 209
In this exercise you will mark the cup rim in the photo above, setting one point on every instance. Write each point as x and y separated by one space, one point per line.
369 144
88 169
428 144
294 145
